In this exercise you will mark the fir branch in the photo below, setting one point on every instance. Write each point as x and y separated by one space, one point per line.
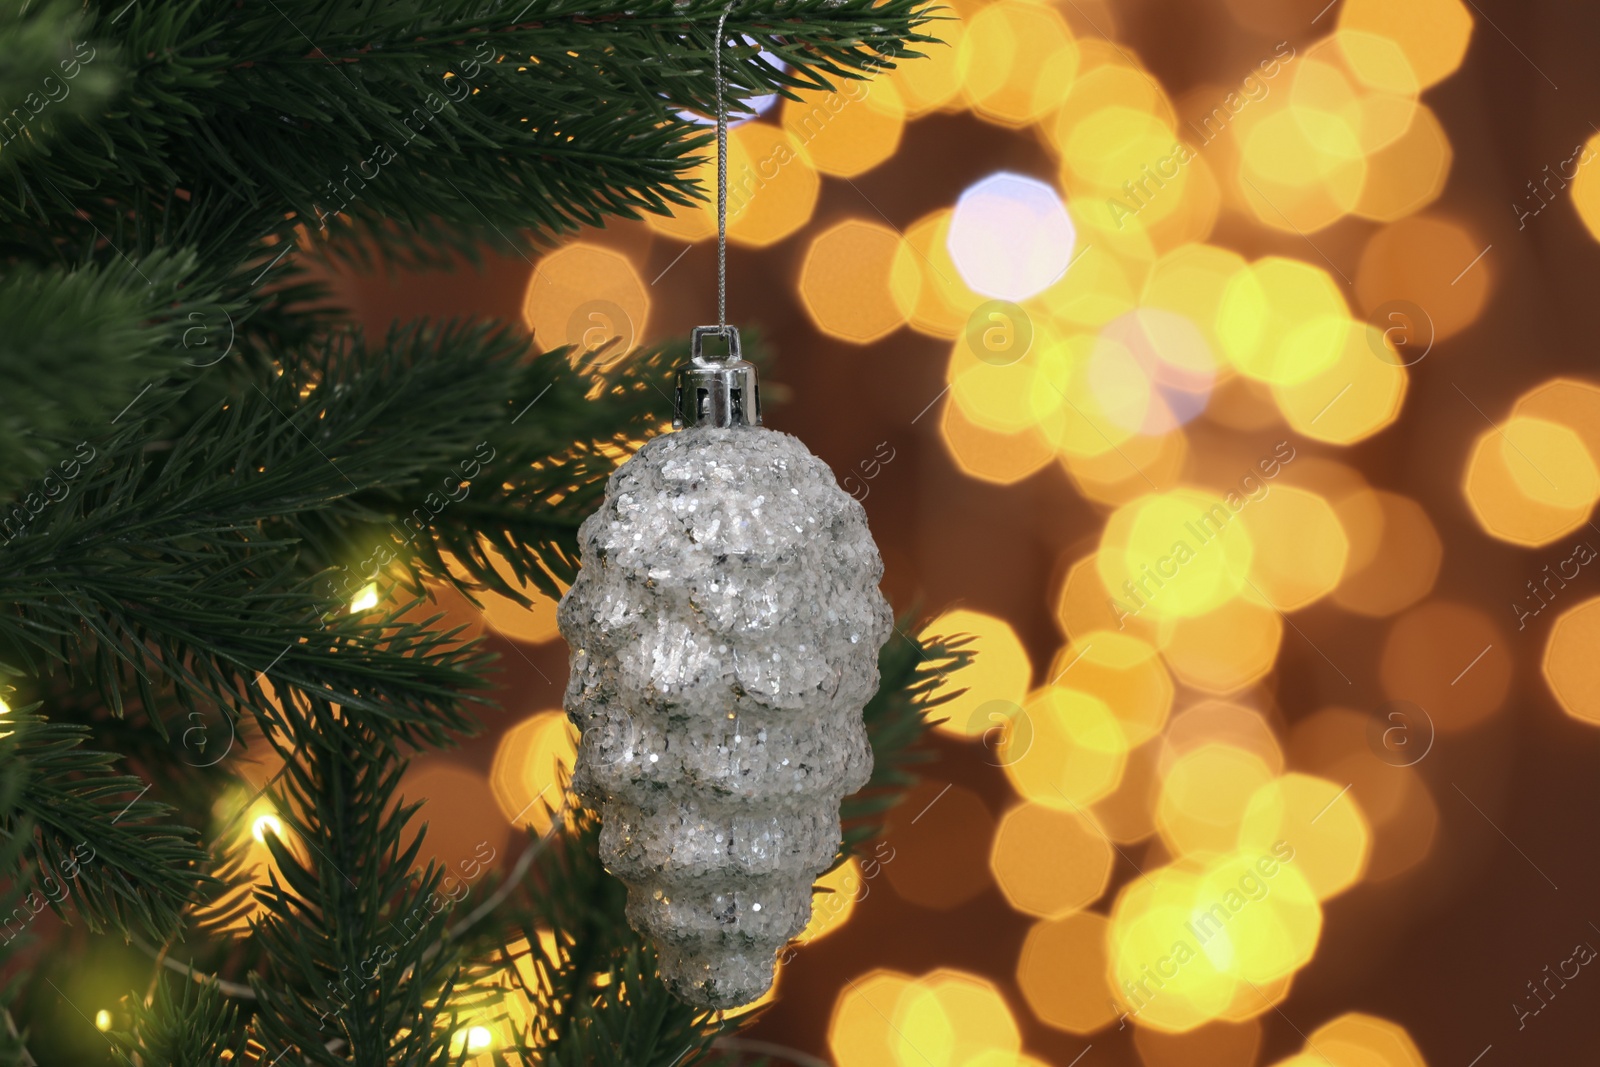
76 349
356 961
117 860
196 1027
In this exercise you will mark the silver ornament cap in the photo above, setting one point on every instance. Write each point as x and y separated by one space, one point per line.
725 630
716 391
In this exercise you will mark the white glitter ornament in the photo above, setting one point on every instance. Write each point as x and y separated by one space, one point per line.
725 630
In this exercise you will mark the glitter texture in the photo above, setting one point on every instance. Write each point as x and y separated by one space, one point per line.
725 630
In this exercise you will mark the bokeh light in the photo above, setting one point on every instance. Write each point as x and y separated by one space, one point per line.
1433 34
844 281
1062 973
996 682
849 131
1072 752
1010 236
1530 481
531 767
588 296
1049 862
1570 664
1451 660
1015 58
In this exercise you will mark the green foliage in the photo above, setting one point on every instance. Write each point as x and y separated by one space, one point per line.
186 1022
206 462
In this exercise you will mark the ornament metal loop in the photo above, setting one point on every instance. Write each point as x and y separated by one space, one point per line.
716 391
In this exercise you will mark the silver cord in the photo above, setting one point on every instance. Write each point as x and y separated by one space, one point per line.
722 175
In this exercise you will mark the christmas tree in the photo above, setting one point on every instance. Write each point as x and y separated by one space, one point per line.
227 512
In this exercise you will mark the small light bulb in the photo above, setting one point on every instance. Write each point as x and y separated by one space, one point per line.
366 599
264 825
102 1020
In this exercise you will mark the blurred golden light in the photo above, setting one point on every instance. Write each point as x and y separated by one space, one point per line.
1361 1040
1399 548
1275 922
925 283
532 764
1300 169
942 835
1191 280
1062 973
1010 236
584 294
1127 813
534 624
996 681
1096 290
934 80
1378 62
1433 34
1344 746
365 600
1049 862
1211 1045
1157 965
1359 394
772 184
1586 188
1408 173
1282 321
1109 81
264 825
861 1029
1152 370
844 281
1006 393
1204 796
1567 402
1072 753
1299 547
991 455
833 899
948 1017
1174 554
1225 649
1084 604
1008 48
1451 660
1123 673
848 132
1570 665
1531 481
1325 824
1122 474
102 1020
1221 722
1422 260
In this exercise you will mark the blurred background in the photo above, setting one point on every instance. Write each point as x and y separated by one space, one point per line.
1225 368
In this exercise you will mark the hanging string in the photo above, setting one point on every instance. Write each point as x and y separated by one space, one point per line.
722 175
